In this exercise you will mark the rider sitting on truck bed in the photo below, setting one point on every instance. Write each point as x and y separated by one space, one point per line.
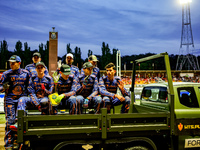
40 86
108 88
66 88
95 71
87 90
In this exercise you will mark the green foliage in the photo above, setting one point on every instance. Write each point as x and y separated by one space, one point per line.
46 54
128 61
69 50
104 59
41 50
27 55
44 51
113 59
173 60
89 52
18 49
4 55
106 55
77 57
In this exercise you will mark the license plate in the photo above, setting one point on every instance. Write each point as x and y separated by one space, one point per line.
191 143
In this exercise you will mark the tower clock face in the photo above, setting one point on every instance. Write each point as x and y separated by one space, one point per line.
53 35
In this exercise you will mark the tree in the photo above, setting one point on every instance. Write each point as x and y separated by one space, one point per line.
27 55
77 57
114 55
128 61
46 54
41 50
106 55
18 49
89 52
44 51
4 55
69 50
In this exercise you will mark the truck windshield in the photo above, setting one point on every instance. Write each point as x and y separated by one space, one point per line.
187 97
156 94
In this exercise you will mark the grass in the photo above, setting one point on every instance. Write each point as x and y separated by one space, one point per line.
2 118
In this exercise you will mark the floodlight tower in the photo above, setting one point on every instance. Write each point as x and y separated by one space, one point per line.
186 58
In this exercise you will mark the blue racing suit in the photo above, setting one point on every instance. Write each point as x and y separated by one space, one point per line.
96 72
88 89
108 89
74 70
68 88
18 81
32 69
39 89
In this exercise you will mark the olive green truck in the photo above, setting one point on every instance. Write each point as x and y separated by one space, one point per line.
168 117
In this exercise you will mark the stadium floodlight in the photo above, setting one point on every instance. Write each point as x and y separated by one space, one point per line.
185 1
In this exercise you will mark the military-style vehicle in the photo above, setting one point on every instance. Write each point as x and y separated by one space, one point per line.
168 117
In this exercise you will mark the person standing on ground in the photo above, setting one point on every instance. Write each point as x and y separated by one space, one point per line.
14 83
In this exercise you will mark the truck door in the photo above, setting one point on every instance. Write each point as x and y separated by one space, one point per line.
187 111
186 103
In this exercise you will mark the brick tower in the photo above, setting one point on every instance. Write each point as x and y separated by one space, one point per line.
53 50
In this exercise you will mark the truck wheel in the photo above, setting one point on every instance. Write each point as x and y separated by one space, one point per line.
137 148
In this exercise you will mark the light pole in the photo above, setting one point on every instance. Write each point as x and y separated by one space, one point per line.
185 1
186 57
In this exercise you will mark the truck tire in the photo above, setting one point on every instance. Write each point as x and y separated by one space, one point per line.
137 148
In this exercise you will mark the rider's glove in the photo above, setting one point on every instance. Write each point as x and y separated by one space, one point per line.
6 86
59 98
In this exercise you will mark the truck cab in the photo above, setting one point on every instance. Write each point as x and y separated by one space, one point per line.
186 109
186 99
